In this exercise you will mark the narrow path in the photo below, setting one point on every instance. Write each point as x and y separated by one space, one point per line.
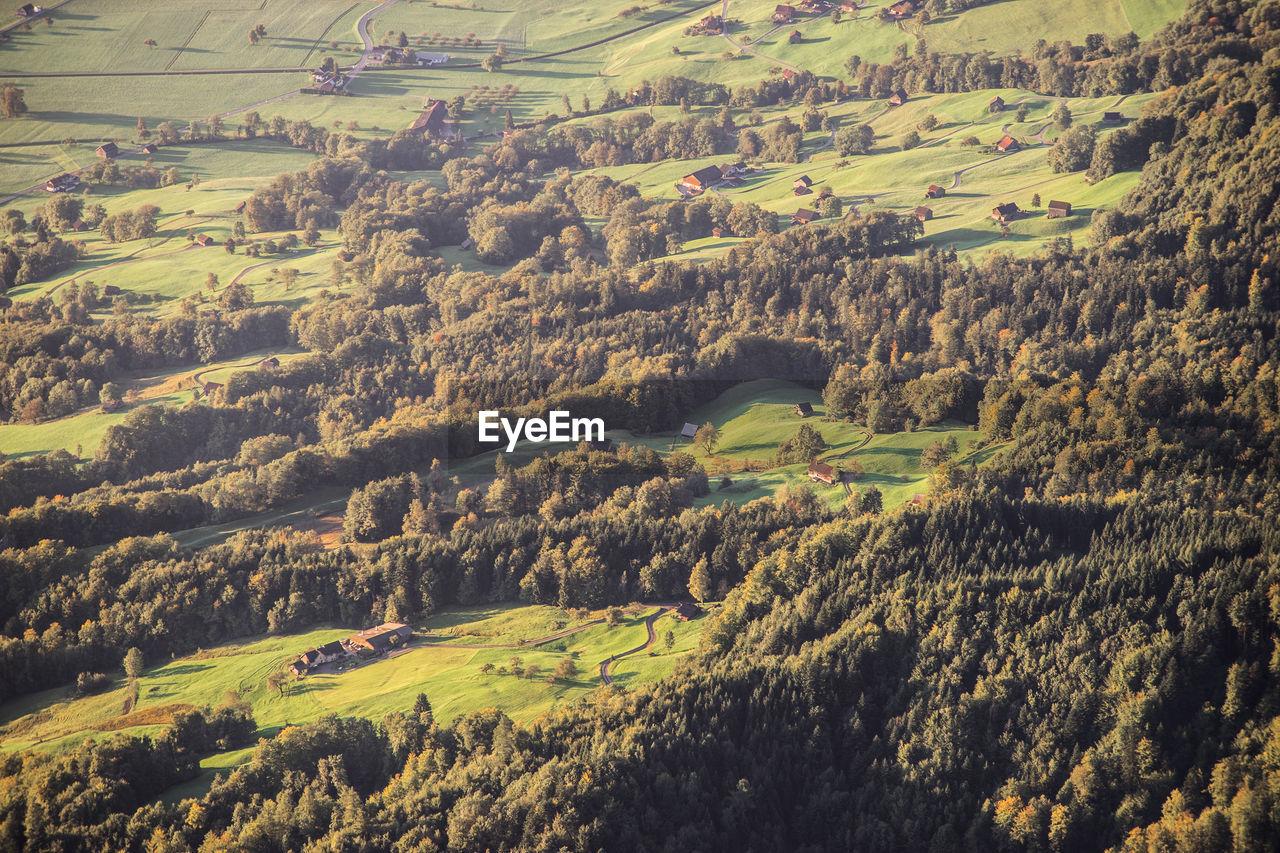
605 678
132 256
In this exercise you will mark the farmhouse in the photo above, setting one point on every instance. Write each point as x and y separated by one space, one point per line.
996 104
783 14
381 639
1059 209
803 216
269 363
204 240
721 231
902 9
804 410
61 183
700 180
802 183
687 610
211 388
688 430
1112 118
239 208
1007 144
1005 212
924 214
825 194
603 445
110 405
898 99
434 121
935 191
712 25
821 472
107 151
79 225
794 37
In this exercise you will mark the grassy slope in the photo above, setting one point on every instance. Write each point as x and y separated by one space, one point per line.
449 675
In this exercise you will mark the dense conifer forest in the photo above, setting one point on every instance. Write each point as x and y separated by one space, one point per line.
1073 647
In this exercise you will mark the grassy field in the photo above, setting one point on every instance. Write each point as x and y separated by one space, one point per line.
440 665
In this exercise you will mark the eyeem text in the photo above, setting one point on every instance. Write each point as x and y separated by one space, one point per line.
557 426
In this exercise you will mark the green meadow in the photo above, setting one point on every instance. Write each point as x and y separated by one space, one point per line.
444 663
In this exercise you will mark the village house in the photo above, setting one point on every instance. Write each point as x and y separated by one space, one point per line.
794 37
107 151
203 240
312 658
1007 144
381 639
783 14
1059 209
698 182
687 610
821 472
996 104
935 191
902 9
804 410
803 216
150 148
898 98
800 185
434 121
61 183
1005 212
924 214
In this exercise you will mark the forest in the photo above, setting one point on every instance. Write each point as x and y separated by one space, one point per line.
1073 646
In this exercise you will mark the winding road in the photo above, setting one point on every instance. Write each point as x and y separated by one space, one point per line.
605 678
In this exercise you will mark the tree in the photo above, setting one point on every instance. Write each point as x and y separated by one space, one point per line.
1062 116
613 615
872 501
133 662
110 392
856 139
14 103
254 37
669 640
1035 199
1074 149
707 437
13 220
929 123
1021 115
700 581
566 669
141 128
492 62
151 43
910 140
